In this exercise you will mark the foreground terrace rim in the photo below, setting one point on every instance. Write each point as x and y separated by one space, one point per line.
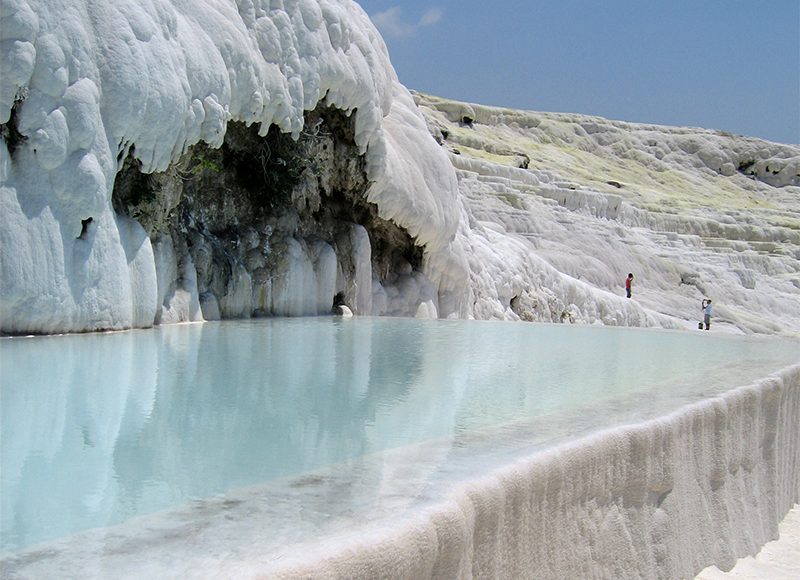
422 468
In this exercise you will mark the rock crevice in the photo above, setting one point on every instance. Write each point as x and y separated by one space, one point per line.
271 225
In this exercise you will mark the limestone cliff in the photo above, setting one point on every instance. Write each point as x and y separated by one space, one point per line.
164 163
169 162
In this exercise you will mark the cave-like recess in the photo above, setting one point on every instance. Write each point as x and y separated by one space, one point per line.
234 206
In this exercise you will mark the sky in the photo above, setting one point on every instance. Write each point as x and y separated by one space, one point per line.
731 65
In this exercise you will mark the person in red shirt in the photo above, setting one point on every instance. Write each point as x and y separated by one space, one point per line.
628 284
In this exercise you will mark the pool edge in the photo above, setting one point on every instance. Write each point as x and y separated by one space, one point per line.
706 484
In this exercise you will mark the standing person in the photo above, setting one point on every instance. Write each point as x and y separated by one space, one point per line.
628 284
707 313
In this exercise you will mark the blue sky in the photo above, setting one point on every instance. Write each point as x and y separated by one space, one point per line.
732 65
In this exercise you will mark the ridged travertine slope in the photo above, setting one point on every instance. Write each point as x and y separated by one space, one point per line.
662 499
561 207
433 208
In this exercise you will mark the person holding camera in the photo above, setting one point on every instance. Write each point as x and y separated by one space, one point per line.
706 312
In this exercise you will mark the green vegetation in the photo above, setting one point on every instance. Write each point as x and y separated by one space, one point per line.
199 164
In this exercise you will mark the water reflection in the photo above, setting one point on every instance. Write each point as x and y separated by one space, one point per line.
99 428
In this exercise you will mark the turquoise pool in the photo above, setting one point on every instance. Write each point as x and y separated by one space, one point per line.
101 430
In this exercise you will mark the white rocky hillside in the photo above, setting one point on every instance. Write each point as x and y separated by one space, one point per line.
166 161
562 207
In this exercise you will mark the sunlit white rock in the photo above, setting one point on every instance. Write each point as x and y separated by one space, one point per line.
159 77
525 215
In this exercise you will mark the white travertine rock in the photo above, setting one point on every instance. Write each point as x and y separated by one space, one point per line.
539 216
158 76
660 499
560 207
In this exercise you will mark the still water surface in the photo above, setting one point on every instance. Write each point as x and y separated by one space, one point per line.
100 428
